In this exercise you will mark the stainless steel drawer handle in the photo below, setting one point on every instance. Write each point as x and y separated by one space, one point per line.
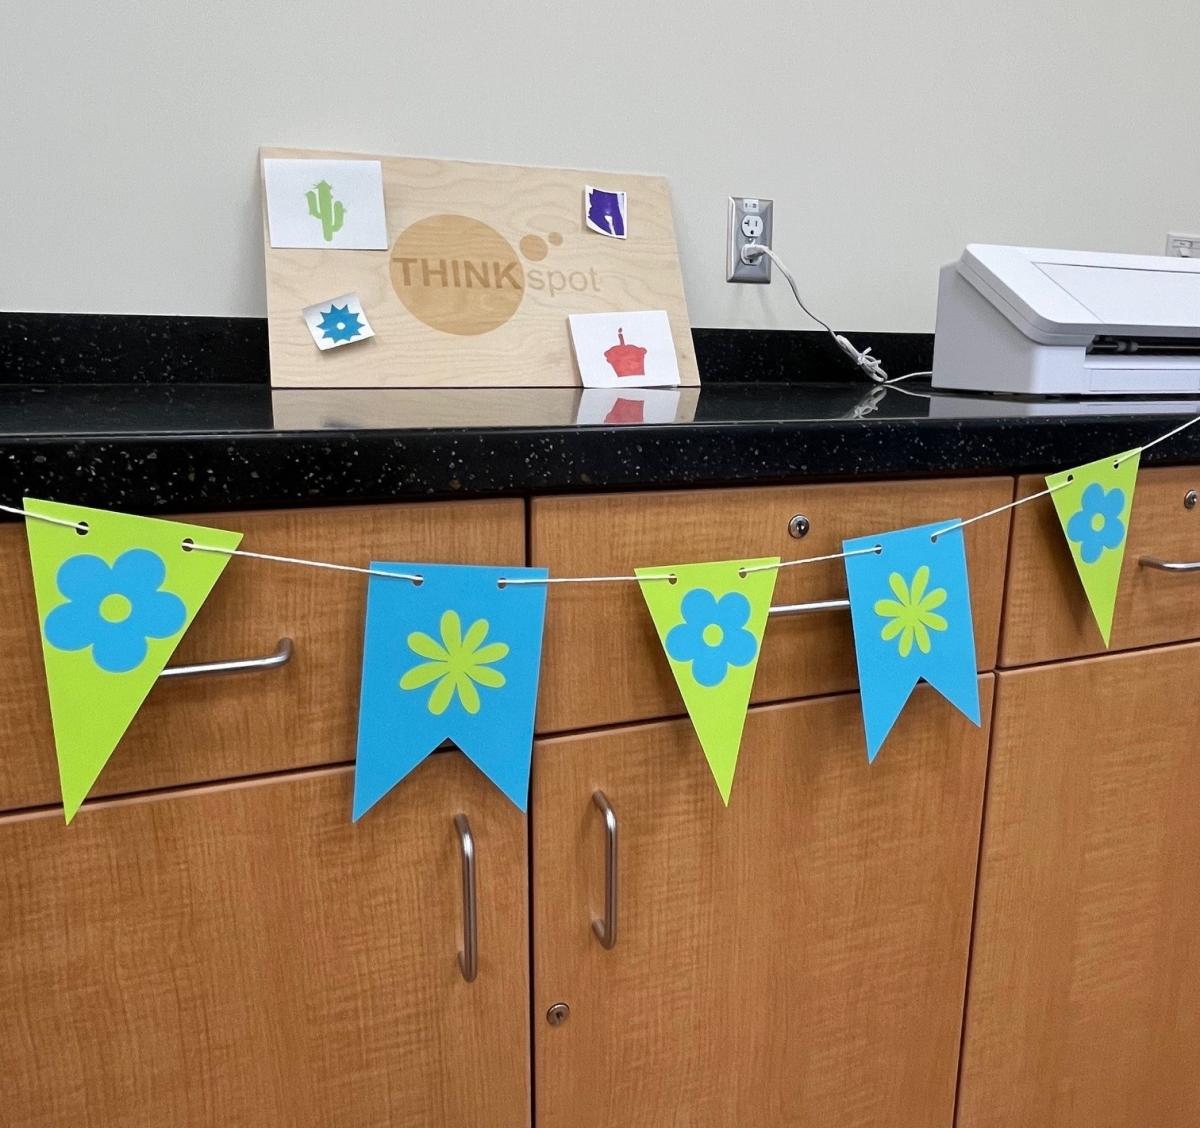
281 657
1169 565
606 927
810 608
468 958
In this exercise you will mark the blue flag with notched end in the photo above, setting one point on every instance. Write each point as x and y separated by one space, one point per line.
456 658
911 608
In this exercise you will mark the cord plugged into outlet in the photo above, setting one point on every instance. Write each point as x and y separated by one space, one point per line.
753 252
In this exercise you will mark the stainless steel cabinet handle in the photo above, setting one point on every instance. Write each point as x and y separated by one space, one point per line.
1169 565
281 657
468 958
809 608
606 928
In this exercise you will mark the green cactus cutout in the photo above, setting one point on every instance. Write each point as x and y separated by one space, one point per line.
322 206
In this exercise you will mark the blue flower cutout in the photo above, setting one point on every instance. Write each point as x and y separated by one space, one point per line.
1098 523
339 324
713 635
114 608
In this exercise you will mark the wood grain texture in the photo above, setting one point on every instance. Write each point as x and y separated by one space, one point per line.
533 347
796 959
1046 614
242 955
304 714
1085 979
603 662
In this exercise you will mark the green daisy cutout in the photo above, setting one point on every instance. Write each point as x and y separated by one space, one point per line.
912 614
455 665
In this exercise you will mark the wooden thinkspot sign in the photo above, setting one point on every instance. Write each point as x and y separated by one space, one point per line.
474 278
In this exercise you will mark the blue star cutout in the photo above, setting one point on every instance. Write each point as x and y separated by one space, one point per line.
339 324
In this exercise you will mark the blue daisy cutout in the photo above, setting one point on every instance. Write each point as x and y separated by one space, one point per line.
713 635
339 324
114 609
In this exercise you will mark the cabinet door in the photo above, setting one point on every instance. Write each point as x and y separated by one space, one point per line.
798 958
1085 981
242 955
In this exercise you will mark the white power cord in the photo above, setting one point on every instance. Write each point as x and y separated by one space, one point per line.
870 365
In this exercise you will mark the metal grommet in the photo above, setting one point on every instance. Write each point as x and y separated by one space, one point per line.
798 526
558 1014
1190 498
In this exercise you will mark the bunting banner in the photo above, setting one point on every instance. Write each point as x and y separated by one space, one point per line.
910 606
113 604
455 658
1093 503
710 622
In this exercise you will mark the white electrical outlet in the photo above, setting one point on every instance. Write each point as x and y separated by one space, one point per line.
749 222
1183 246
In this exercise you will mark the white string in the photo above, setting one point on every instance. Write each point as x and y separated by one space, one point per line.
812 559
1160 439
1001 508
189 545
673 577
78 526
504 581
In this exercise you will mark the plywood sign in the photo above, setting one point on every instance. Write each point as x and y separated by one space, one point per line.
468 277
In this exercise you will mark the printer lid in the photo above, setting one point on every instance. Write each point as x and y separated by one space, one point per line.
1070 297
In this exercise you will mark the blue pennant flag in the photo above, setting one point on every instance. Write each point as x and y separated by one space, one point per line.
455 657
911 609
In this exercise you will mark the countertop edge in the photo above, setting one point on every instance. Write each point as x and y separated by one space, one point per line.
182 473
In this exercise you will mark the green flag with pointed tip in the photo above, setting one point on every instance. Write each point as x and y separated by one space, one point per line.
113 600
710 621
1093 504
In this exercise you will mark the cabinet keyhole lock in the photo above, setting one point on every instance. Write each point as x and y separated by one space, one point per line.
1190 498
558 1014
798 526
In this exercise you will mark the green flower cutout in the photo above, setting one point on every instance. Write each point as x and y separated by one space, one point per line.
912 614
456 664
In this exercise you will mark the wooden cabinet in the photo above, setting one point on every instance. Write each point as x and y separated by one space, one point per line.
1046 614
796 959
303 714
1085 982
603 661
242 955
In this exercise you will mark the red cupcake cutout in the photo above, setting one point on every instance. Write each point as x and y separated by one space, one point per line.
626 360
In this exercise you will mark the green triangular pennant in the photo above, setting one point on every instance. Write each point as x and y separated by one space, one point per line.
710 622
113 604
1093 504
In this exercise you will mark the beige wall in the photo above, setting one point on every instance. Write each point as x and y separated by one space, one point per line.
889 133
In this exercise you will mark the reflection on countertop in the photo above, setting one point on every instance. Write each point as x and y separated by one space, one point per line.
82 410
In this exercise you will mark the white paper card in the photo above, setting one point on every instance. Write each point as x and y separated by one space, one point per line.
325 204
606 211
339 321
627 407
624 350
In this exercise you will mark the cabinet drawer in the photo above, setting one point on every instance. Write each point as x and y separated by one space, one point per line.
219 727
603 662
1046 614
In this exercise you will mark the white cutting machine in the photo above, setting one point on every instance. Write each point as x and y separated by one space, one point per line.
1022 320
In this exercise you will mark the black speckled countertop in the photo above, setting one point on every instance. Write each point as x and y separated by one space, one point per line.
191 445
